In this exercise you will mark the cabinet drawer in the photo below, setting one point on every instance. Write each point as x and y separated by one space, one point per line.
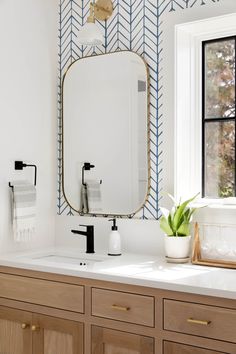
122 306
110 341
42 292
176 348
200 320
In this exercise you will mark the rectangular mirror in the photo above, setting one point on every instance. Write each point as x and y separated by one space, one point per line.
105 134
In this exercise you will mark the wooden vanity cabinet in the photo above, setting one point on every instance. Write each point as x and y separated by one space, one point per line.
15 334
56 336
43 313
200 320
23 332
108 341
123 306
176 348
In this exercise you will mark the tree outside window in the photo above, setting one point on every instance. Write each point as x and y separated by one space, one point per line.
219 118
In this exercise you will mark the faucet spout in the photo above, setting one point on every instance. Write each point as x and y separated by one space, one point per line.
78 232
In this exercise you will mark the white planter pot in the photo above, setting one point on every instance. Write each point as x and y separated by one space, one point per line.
177 247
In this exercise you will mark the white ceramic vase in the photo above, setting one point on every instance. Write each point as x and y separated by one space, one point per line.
177 247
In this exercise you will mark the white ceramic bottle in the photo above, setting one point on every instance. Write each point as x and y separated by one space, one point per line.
114 248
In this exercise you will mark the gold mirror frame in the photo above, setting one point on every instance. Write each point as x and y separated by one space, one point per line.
148 140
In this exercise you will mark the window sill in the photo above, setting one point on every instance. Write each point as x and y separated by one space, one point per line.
227 203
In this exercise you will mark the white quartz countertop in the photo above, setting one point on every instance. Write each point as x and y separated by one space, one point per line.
132 269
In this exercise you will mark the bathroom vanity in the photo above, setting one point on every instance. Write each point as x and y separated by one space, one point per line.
103 309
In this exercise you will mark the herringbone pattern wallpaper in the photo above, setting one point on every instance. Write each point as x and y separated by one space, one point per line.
135 25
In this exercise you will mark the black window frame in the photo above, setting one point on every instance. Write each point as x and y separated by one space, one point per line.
207 120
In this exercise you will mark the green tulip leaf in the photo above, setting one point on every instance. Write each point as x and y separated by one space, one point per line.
164 225
184 230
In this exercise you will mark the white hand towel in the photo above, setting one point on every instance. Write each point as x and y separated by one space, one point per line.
23 210
94 196
84 199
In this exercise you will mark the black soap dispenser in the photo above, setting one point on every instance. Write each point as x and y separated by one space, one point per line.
114 248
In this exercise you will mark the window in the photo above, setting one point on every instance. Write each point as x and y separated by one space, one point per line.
219 121
205 111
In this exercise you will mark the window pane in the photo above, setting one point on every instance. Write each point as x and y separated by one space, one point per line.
220 159
220 79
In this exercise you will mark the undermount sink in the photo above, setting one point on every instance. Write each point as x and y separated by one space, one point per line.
69 260
59 259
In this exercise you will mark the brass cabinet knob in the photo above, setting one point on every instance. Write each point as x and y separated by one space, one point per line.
24 325
35 328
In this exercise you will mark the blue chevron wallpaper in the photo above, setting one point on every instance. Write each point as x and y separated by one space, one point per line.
135 25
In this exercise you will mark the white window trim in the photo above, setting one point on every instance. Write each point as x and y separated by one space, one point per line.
188 104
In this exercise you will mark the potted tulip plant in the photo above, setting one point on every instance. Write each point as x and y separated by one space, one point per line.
176 226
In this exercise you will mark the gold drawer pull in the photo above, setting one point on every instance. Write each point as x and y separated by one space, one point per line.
35 328
120 308
203 323
24 325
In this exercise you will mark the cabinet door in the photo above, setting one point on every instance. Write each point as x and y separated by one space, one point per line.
108 341
15 332
56 336
176 348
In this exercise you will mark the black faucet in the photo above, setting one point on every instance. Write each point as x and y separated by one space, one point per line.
89 233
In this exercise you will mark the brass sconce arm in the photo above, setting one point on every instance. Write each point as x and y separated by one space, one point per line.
101 10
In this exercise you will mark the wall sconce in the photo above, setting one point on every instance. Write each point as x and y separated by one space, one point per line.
90 34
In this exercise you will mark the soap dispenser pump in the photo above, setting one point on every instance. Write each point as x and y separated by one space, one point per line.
114 241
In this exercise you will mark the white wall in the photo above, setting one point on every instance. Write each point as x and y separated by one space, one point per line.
139 235
28 98
28 88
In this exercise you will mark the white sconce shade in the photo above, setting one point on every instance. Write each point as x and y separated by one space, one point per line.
90 35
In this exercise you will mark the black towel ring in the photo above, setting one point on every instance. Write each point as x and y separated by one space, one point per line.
20 165
87 167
